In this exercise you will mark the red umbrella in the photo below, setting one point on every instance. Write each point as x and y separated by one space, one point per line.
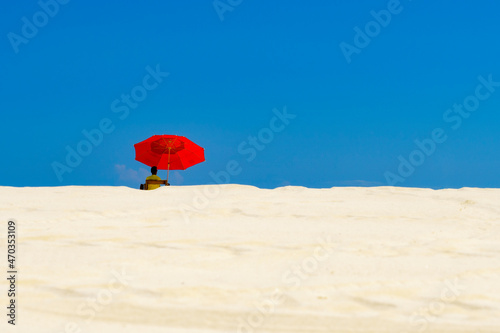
169 152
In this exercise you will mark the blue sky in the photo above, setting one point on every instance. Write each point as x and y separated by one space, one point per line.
356 118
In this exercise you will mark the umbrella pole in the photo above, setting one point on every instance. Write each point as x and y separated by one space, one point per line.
168 169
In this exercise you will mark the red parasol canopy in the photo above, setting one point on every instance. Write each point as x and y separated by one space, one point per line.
169 152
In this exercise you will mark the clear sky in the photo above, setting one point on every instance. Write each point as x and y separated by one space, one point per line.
310 93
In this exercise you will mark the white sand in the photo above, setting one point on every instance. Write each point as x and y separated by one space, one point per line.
251 260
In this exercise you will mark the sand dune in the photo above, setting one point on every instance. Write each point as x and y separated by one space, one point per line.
241 259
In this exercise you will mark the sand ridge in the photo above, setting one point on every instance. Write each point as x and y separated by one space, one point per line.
236 258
